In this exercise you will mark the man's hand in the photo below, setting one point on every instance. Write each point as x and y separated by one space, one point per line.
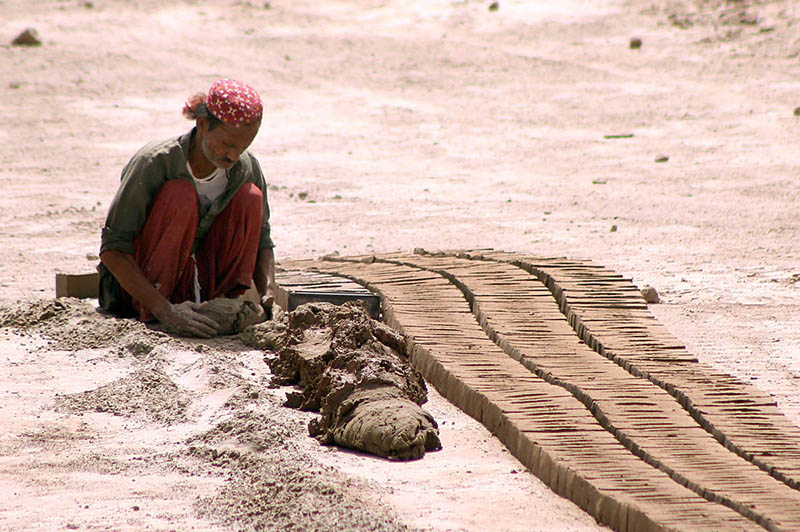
269 298
183 320
266 302
264 277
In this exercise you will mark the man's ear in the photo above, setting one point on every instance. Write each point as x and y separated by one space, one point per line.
202 124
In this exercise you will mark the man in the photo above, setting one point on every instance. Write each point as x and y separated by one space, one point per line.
190 221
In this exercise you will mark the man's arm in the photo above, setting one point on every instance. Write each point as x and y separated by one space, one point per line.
179 319
264 276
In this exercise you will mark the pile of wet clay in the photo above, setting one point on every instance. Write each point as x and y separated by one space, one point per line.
353 370
232 315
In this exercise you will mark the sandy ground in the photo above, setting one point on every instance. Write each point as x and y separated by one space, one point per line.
390 125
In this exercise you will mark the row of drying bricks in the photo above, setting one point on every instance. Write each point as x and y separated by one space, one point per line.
491 337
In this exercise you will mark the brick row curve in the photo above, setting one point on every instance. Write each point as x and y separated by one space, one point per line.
609 314
642 416
543 424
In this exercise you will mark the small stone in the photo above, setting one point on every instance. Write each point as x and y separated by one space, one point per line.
635 43
135 508
613 229
650 294
662 158
29 37
797 111
92 257
494 6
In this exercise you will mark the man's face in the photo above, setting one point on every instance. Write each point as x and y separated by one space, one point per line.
224 144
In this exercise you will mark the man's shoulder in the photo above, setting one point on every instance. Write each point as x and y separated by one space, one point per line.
169 148
158 160
248 158
250 164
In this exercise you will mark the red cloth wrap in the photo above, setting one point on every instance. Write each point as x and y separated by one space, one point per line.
233 102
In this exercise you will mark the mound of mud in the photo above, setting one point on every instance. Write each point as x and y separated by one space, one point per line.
72 324
148 392
253 424
270 492
353 370
27 314
254 429
272 482
268 335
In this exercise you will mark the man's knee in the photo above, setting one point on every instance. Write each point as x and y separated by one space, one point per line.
248 199
179 195
250 192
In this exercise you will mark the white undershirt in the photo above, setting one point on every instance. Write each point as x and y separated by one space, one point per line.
210 188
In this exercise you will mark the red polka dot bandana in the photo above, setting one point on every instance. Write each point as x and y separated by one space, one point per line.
234 102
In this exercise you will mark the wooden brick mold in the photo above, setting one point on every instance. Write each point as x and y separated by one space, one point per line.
491 337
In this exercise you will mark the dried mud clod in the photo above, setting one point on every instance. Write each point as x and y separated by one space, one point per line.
353 370
29 37
650 294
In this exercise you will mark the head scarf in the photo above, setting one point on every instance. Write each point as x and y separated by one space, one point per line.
233 102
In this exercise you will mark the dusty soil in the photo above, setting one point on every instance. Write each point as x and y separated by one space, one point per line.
390 125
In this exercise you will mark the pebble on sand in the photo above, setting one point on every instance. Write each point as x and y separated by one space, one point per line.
662 158
635 43
650 294
29 37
